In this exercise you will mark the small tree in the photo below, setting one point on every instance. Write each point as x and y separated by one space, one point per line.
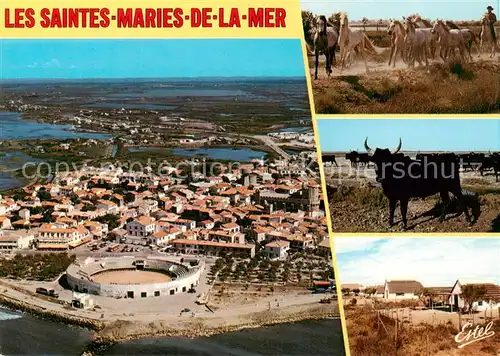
364 21
472 293
370 291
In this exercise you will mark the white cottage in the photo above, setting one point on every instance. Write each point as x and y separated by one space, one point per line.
491 298
402 290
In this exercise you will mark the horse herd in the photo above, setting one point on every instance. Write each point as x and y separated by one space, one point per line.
413 39
403 177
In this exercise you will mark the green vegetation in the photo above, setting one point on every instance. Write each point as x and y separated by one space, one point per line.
42 267
300 268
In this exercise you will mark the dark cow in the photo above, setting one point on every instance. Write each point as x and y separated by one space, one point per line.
353 157
471 161
491 162
329 158
357 158
403 178
364 158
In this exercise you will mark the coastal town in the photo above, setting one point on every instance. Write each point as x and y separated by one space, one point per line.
234 211
260 229
138 208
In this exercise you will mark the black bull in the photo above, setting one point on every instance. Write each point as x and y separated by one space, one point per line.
329 158
403 178
357 158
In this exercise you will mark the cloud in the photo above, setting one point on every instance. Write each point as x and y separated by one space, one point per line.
432 261
345 245
53 63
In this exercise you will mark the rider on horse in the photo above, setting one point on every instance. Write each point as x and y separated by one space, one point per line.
492 18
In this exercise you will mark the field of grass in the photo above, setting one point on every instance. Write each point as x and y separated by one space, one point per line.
448 88
371 334
366 209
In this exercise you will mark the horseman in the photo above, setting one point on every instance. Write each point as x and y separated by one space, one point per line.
492 18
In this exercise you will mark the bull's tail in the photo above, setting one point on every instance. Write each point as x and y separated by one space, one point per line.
369 45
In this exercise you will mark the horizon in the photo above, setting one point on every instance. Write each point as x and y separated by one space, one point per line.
152 78
434 262
395 9
67 59
455 135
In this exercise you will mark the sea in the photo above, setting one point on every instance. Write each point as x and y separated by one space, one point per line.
22 334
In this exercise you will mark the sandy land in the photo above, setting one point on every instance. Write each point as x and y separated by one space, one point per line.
134 318
131 277
373 332
357 67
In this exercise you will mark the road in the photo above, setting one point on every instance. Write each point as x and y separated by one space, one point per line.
268 141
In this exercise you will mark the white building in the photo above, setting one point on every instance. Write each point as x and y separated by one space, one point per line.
402 289
143 226
24 214
52 236
491 298
277 249
16 240
5 223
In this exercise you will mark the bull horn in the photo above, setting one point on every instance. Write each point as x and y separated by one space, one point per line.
399 146
367 148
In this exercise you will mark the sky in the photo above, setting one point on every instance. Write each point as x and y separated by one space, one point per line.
339 135
375 9
74 59
435 262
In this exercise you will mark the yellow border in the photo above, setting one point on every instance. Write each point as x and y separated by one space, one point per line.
325 199
408 116
418 235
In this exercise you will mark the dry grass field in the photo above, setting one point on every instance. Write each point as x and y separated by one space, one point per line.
131 277
358 204
454 86
370 335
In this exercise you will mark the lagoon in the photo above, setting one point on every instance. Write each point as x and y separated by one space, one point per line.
13 127
225 154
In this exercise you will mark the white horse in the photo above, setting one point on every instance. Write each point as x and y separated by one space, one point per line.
486 36
417 44
469 38
397 32
350 39
426 26
468 35
449 40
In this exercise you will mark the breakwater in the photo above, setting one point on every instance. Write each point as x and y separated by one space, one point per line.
53 315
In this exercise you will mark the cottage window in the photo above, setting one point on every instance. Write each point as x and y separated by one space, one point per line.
399 294
480 303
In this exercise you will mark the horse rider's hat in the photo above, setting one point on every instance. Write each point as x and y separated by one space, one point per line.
490 7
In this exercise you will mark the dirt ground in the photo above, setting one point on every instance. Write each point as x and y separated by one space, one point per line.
131 277
357 204
453 86
370 335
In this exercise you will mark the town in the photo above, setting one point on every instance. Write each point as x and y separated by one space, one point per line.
253 238
232 212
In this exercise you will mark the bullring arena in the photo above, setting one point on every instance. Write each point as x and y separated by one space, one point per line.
130 277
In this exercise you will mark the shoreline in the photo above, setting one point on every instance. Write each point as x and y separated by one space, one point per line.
109 332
